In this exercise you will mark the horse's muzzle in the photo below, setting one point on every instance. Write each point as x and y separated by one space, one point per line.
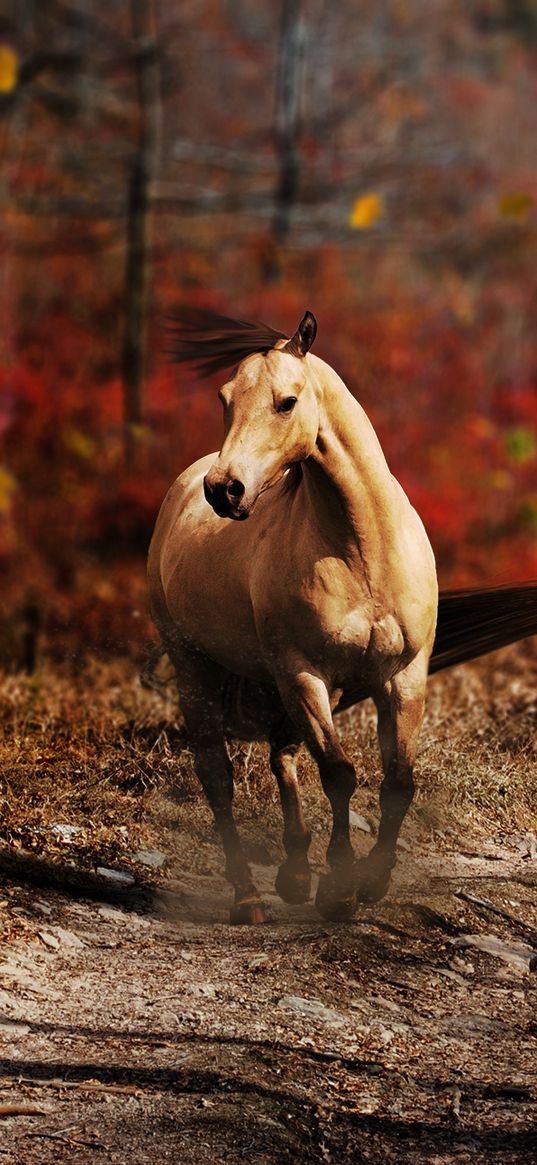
225 499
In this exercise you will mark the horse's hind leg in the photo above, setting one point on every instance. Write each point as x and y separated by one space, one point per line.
201 706
306 697
293 881
400 708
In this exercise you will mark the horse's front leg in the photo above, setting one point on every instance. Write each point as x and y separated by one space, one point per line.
400 708
200 684
215 772
307 700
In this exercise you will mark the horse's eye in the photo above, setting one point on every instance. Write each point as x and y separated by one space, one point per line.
287 405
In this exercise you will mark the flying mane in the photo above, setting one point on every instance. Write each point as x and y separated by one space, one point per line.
212 342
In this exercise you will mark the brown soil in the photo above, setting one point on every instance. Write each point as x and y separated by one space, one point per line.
137 1026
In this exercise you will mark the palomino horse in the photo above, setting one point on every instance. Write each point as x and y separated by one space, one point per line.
328 587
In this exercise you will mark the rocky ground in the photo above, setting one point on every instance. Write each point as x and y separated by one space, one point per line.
137 1026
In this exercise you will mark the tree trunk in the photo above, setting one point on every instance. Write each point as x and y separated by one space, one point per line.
291 61
143 170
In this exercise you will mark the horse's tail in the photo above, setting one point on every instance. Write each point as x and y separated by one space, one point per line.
473 622
476 620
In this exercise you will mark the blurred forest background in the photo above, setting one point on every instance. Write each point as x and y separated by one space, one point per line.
375 162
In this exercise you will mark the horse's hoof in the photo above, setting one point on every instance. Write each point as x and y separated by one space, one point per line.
333 901
372 890
371 884
250 912
293 885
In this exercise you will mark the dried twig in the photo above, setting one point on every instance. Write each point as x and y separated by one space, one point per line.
21 1110
486 904
432 917
65 1140
84 1085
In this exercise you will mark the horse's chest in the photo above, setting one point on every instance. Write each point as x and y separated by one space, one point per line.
339 606
341 626
359 646
355 633
347 631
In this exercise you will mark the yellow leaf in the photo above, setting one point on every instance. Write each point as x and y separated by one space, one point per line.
8 486
79 443
517 205
9 68
140 433
365 211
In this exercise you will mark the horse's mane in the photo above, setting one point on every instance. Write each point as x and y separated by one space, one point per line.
212 342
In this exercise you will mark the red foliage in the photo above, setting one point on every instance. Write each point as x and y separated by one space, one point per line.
75 524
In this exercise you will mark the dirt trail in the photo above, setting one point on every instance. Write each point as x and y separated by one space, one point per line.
151 1031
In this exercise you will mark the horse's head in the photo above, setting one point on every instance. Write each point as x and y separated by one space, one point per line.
271 420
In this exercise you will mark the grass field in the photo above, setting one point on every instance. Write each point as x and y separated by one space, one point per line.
94 749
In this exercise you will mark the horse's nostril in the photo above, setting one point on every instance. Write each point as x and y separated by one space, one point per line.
235 489
208 490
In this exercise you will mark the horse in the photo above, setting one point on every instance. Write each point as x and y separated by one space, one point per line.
292 568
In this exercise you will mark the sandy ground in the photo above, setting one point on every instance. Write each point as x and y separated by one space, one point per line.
137 1026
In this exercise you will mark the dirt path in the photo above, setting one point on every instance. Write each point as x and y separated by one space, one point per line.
151 1031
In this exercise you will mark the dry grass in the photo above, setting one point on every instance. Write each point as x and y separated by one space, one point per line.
96 750
88 750
478 759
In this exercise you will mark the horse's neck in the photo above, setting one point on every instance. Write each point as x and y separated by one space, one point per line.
348 473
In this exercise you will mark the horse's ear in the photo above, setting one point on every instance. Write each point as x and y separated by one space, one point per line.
304 336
